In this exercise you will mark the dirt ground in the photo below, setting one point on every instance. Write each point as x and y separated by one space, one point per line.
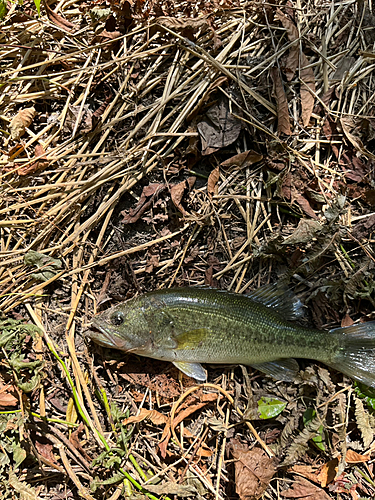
148 145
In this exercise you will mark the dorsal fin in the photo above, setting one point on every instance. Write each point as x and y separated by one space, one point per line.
280 298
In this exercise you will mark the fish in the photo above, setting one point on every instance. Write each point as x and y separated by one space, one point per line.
193 325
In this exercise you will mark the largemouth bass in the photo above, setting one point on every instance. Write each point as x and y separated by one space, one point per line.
190 326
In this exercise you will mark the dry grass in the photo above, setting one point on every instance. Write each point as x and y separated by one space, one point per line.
150 87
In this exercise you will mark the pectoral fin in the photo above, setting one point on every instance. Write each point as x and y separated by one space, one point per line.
191 339
281 369
194 370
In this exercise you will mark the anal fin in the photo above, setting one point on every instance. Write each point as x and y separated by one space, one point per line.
194 370
280 369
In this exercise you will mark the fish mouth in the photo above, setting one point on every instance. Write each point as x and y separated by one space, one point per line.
100 335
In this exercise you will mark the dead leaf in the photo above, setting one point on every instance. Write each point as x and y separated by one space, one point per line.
305 230
205 97
15 151
100 110
354 168
364 228
206 398
369 196
283 121
85 119
57 19
148 196
152 262
204 450
287 186
219 128
171 488
21 121
352 457
44 448
307 471
242 160
184 25
292 61
40 162
307 89
74 439
328 472
305 205
6 398
254 470
213 179
178 191
108 37
154 416
184 413
346 321
346 125
304 490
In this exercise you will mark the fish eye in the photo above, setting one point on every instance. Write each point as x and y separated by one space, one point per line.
117 318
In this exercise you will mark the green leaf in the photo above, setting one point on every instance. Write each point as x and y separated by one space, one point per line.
270 408
366 393
319 439
308 416
3 9
37 5
19 455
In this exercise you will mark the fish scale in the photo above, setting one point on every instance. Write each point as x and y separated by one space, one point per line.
194 325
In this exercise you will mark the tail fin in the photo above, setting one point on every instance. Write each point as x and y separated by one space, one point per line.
356 356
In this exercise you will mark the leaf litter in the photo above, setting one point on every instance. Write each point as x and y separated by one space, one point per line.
164 144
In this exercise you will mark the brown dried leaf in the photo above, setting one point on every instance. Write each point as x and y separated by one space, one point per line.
185 25
305 205
205 97
364 228
328 472
85 119
21 121
178 191
57 19
304 490
254 470
108 37
352 457
6 398
39 163
306 90
154 416
287 186
15 151
292 61
74 439
207 398
305 230
218 129
283 122
307 471
204 450
164 440
148 195
213 179
347 125
242 160
44 448
346 321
